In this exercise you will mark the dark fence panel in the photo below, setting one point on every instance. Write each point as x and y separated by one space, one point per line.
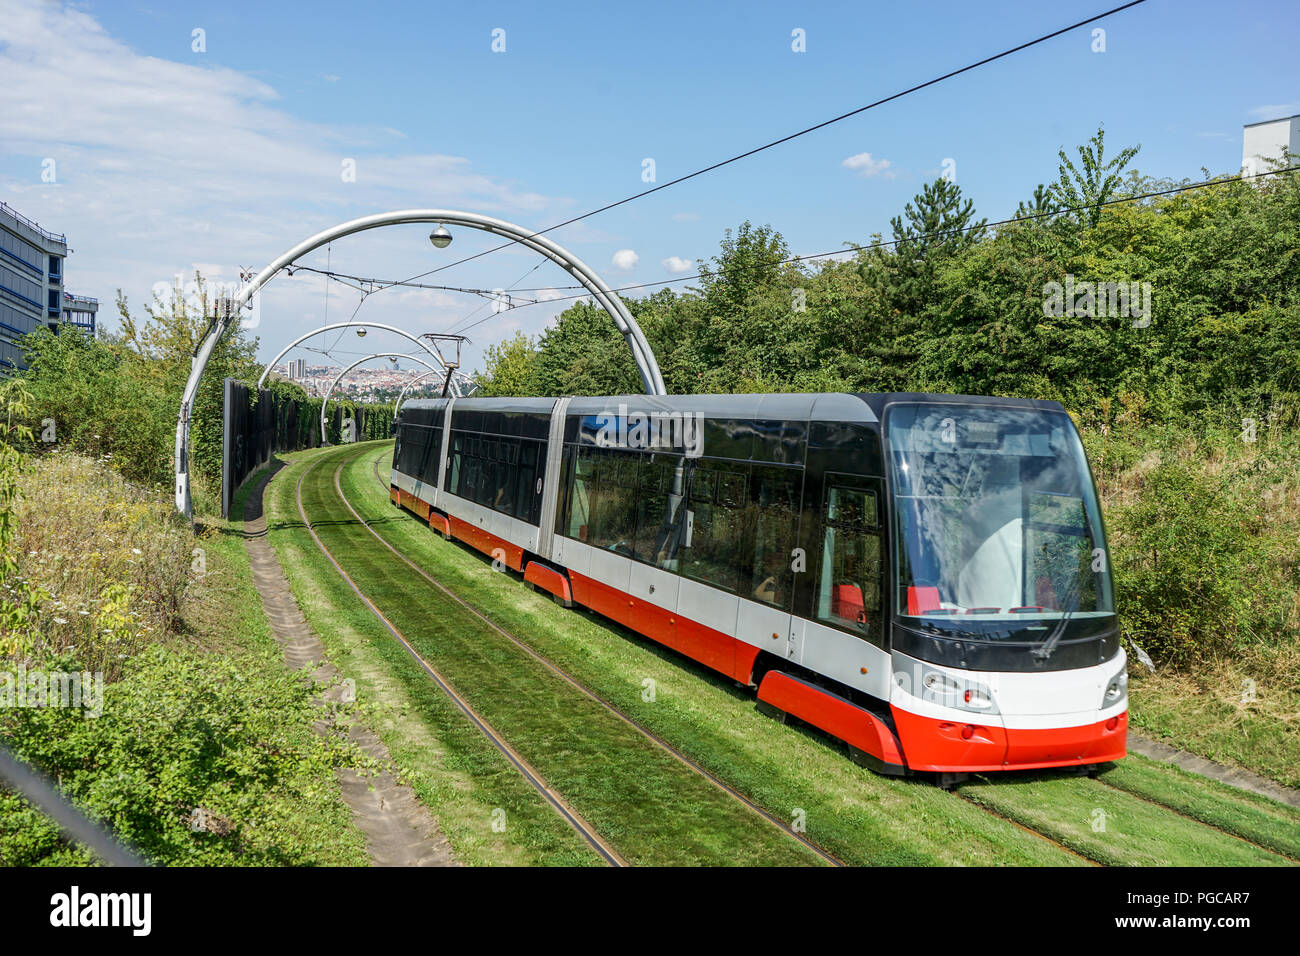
248 437
254 430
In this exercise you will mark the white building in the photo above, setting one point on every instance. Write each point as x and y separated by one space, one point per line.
1262 142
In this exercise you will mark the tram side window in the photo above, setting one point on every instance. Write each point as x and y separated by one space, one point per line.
578 511
714 547
454 463
612 495
399 448
504 457
403 452
661 484
427 468
498 472
412 449
772 520
849 589
472 476
528 498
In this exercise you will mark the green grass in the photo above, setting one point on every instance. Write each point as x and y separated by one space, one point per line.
1210 718
1136 832
862 818
1249 815
647 804
230 618
455 771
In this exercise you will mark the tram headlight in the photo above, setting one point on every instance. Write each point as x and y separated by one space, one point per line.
939 683
1116 689
955 690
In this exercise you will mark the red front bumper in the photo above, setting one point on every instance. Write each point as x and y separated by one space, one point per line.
957 746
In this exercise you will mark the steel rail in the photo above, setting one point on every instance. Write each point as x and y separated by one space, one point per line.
641 729
526 770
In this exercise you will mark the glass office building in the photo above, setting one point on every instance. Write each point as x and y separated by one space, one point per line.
32 293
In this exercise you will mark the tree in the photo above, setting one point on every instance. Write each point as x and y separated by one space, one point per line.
745 321
104 400
938 226
750 260
583 354
1089 190
508 366
118 396
1040 207
168 336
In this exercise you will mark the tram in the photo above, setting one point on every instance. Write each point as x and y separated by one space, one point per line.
924 577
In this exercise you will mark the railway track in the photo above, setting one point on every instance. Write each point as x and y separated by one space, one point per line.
584 829
1187 816
577 685
647 733
1020 818
956 791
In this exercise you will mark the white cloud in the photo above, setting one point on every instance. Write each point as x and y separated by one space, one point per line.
868 166
163 164
677 264
686 216
625 259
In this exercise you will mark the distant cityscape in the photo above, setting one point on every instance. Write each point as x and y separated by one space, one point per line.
378 383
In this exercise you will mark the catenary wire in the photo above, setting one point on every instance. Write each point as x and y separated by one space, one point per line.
803 132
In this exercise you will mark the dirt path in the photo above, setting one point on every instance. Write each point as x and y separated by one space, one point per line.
399 830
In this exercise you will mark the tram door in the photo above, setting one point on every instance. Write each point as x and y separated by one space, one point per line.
766 549
841 602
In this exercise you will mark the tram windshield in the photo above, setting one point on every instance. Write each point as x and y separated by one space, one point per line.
997 517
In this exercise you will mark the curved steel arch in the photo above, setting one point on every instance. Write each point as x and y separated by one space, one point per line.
345 325
651 377
406 388
334 384
464 381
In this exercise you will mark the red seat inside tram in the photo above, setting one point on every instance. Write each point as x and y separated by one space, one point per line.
847 603
922 600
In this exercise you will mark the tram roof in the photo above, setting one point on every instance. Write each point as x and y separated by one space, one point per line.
785 406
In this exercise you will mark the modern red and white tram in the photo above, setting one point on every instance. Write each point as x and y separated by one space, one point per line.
923 576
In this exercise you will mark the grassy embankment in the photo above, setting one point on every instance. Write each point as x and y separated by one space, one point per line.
1205 529
860 817
204 753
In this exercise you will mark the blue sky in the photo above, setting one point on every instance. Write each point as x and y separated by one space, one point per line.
169 159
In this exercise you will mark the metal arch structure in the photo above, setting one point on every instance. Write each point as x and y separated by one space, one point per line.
461 386
406 388
334 384
345 325
651 377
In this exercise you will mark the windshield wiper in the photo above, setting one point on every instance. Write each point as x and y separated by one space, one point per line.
1072 596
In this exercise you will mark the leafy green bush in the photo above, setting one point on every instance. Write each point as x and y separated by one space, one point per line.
197 759
1187 574
104 403
20 600
1205 534
112 558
